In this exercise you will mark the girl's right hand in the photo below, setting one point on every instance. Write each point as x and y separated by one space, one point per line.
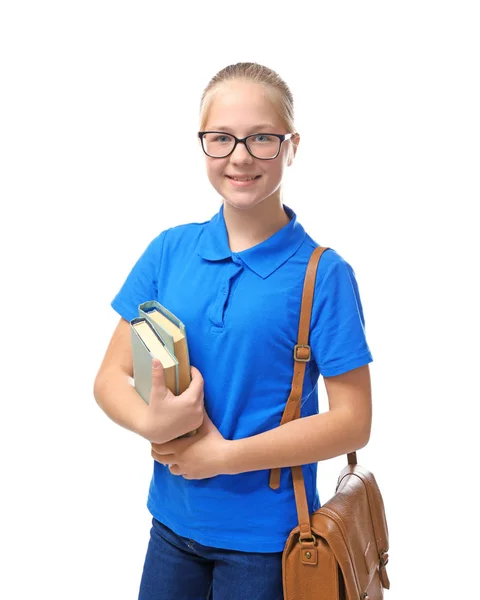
168 416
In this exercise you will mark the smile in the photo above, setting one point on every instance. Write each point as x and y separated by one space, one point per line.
242 182
243 178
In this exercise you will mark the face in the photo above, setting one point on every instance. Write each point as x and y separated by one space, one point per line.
242 108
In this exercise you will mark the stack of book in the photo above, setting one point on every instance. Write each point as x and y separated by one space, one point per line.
157 333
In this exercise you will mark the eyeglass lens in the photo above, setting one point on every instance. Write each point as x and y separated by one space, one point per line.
262 145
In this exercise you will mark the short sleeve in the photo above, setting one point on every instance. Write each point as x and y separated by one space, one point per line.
141 283
337 330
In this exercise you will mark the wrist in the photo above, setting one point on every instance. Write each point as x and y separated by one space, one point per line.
140 422
231 463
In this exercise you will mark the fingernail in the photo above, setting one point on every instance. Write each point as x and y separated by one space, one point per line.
156 365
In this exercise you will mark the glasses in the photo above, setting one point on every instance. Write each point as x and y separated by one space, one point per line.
265 146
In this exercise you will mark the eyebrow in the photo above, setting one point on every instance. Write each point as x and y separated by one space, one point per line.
256 128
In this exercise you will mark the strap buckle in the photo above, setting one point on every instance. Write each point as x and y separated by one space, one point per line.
383 558
302 353
308 540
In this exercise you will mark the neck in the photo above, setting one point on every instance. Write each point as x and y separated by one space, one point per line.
247 228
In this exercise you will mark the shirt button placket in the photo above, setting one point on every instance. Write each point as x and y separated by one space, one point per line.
217 314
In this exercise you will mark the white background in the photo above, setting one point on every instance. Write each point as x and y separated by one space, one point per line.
98 154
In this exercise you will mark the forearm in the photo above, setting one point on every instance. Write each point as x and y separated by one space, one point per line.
119 400
303 441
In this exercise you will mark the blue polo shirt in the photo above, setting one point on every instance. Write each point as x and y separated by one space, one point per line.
241 312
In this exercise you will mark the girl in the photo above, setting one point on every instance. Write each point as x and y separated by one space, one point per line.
236 281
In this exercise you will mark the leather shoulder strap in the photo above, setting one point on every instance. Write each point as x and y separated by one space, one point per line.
302 354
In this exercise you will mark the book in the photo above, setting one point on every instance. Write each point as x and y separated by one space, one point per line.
158 333
146 345
173 332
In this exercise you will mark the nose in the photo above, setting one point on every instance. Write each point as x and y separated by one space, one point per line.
241 154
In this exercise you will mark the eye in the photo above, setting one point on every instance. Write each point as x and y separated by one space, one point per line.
222 139
263 138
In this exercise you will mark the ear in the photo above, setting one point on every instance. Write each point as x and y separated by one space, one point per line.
295 139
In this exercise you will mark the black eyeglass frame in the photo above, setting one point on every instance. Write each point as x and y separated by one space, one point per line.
281 136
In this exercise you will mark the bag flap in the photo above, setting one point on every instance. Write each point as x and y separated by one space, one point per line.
354 525
377 507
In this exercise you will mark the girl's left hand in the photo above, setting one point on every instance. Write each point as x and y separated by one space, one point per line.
198 457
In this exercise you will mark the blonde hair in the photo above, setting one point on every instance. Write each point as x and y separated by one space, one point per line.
277 89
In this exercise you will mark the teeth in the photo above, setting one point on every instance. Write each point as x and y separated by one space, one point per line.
247 179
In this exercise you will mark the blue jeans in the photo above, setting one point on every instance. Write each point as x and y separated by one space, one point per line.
177 568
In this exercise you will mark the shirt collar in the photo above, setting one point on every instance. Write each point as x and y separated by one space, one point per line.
264 258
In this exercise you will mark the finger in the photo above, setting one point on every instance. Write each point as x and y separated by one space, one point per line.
175 470
172 447
195 373
196 385
163 449
159 389
164 459
156 456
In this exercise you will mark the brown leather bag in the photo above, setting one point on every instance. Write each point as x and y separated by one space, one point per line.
341 550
